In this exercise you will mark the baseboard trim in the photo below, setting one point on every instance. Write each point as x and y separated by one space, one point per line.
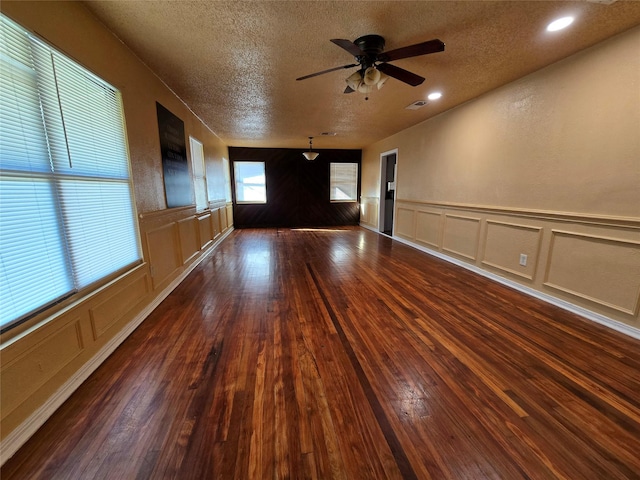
18 437
583 312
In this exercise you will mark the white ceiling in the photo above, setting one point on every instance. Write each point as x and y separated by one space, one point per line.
235 63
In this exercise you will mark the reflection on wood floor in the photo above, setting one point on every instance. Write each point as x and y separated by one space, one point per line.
338 353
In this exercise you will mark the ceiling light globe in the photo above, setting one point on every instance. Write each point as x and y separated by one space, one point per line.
354 80
371 76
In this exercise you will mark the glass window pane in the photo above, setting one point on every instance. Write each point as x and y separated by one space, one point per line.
250 182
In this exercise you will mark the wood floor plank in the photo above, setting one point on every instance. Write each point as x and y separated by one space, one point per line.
341 354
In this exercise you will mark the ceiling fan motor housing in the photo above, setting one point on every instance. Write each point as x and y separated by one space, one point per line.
371 46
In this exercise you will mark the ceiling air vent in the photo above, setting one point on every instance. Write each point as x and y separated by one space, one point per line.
416 105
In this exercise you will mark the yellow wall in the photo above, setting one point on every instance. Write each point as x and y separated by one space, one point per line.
548 166
43 360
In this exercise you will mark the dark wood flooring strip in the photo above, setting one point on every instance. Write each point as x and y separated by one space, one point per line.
404 465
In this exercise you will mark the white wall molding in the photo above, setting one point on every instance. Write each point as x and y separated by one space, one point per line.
18 437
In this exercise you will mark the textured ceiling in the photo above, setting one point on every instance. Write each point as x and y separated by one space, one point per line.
235 63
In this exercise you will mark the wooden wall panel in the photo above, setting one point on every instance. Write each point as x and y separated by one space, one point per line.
117 304
461 235
297 189
23 375
429 228
224 224
189 241
405 225
504 242
597 268
215 223
229 210
369 211
163 252
206 232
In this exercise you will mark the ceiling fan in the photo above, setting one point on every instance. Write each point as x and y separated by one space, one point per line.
374 70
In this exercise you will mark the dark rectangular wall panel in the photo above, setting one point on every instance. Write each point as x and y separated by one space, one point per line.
297 189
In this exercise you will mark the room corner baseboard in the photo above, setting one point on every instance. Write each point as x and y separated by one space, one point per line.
18 437
583 312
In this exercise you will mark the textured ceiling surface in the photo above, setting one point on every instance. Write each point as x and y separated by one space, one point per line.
235 63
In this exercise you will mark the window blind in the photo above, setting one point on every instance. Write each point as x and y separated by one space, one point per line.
343 180
199 178
66 203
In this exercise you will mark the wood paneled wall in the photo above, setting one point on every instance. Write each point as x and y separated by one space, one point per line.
297 189
42 366
589 261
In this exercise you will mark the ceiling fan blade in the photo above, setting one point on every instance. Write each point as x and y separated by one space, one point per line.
348 45
327 71
424 48
400 74
349 89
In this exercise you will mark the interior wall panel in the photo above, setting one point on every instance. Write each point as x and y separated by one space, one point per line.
189 240
429 228
117 304
405 223
597 268
206 233
297 189
461 236
22 376
163 252
505 242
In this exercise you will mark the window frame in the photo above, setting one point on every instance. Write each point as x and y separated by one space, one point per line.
69 177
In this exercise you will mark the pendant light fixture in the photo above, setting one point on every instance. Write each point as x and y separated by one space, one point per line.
310 155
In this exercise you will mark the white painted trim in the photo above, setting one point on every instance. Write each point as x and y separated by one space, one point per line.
583 312
19 436
382 190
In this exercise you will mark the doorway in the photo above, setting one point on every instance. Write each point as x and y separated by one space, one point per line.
388 168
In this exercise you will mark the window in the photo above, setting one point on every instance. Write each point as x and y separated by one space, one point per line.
199 178
250 182
343 182
227 180
66 205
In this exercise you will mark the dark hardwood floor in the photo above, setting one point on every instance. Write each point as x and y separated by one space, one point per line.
339 353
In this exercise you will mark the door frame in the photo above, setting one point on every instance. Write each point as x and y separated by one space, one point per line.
382 191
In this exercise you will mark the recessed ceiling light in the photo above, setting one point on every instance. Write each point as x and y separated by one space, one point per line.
559 24
434 96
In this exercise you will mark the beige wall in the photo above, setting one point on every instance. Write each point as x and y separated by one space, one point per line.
42 360
547 166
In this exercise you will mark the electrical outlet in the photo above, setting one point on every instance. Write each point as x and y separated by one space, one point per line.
523 260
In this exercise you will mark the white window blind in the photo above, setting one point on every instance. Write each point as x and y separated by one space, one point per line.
250 181
66 203
343 181
199 178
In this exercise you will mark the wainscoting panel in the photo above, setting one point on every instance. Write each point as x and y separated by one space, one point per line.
117 305
206 232
505 242
429 228
229 209
23 375
369 211
597 268
163 252
215 222
405 222
461 235
223 219
588 261
189 240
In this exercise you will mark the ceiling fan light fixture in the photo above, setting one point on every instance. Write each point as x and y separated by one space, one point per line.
383 78
310 155
354 80
371 76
